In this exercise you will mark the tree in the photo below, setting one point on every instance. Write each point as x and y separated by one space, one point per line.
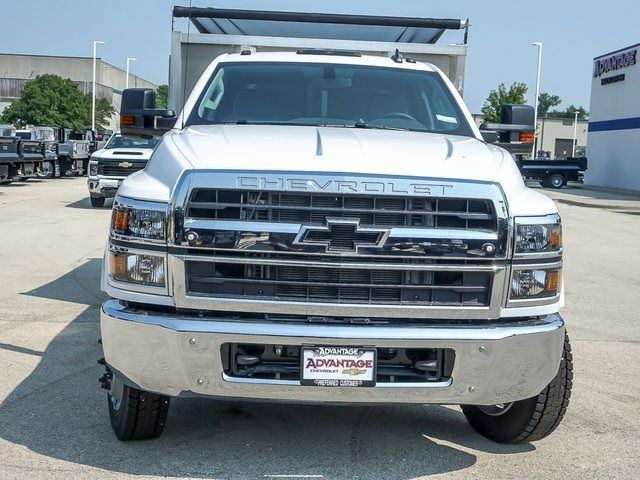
53 100
493 104
162 96
569 112
104 112
547 101
48 100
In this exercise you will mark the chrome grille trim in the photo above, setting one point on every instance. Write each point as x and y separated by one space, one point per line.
314 208
359 266
274 238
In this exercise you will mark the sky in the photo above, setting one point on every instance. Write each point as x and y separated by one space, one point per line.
573 32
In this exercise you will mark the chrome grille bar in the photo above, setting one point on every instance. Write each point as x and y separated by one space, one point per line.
314 209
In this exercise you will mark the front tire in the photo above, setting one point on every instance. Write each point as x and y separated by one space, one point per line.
527 420
97 202
136 414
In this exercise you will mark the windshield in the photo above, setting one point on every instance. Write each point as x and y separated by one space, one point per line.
329 95
7 131
120 141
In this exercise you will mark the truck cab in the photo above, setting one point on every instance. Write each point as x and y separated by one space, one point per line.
329 226
118 159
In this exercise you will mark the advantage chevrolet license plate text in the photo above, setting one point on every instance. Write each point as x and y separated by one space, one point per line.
338 367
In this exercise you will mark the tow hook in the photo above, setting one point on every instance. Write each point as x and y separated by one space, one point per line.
107 376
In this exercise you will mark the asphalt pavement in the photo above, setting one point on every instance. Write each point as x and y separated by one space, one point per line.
53 415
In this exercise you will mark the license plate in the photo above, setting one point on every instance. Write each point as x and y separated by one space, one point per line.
338 367
108 183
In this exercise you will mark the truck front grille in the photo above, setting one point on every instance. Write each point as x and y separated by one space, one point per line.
315 208
117 170
337 281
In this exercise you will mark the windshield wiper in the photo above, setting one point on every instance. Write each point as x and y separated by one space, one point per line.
362 125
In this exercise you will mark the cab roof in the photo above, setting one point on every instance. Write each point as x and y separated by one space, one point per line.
337 58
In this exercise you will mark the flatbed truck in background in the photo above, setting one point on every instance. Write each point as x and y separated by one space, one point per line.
553 173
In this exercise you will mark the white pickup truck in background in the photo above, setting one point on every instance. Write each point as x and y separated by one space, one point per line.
330 226
110 165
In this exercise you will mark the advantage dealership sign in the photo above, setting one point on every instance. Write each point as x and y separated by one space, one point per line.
614 63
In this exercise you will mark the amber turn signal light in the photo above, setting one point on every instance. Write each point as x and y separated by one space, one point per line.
127 120
120 220
527 137
555 238
553 281
117 265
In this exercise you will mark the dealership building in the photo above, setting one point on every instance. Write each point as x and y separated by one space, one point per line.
613 147
17 70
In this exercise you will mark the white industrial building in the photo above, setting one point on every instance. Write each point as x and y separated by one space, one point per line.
16 70
614 124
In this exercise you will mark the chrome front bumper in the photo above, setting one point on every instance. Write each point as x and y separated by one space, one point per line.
181 356
103 186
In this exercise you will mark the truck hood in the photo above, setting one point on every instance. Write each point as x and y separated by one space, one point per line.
123 154
335 149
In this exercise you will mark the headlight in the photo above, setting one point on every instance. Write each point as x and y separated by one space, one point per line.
137 268
93 169
538 235
144 220
532 284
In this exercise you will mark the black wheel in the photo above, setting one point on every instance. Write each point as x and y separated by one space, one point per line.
527 420
555 181
97 201
47 170
136 414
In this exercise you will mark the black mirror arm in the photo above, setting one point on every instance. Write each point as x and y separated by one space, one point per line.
503 127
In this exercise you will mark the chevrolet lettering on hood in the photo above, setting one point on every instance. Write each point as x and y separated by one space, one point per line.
342 186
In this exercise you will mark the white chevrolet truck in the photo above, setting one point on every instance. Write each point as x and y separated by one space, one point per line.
331 227
109 166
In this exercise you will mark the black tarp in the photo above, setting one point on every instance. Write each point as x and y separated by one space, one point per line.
311 25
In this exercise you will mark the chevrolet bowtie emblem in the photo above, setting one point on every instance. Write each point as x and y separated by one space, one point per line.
341 235
125 164
354 371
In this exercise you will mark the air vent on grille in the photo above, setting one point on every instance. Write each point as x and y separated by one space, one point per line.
342 284
313 209
115 170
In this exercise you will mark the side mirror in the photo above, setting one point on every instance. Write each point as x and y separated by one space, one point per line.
515 132
139 116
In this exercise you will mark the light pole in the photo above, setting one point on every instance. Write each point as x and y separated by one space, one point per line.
129 60
575 134
93 98
535 121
